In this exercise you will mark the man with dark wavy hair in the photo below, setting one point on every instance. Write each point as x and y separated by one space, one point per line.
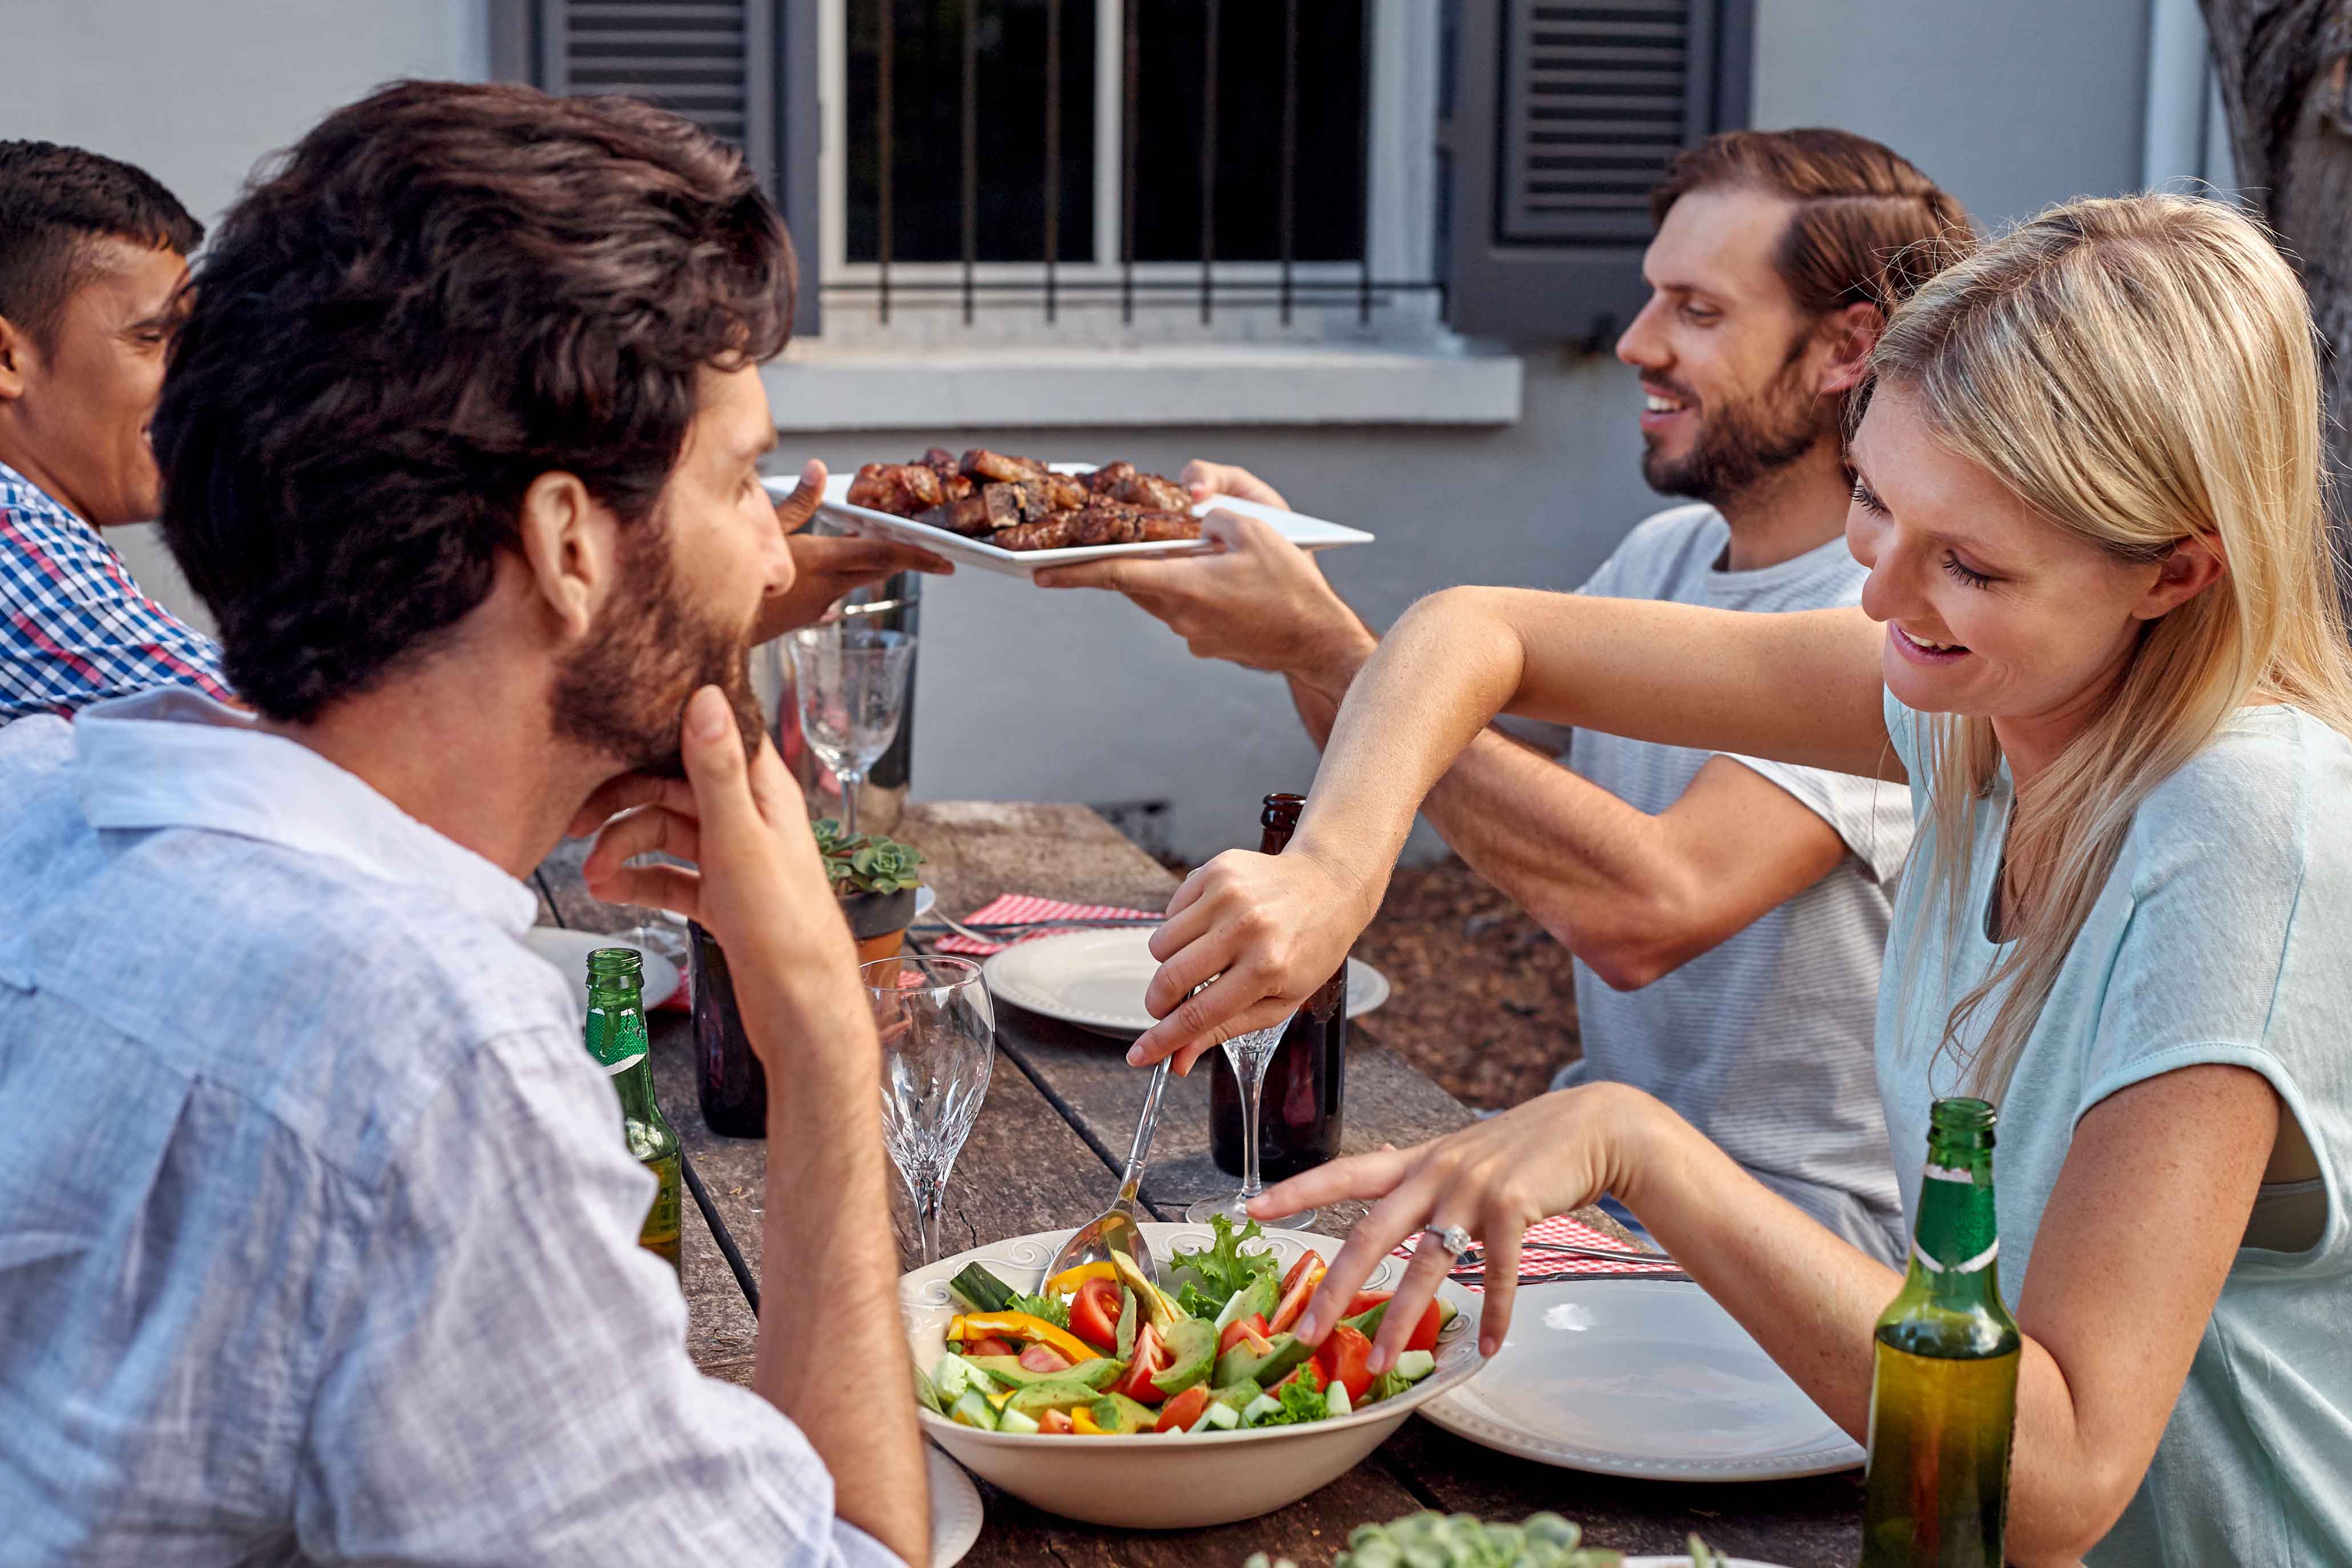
323 1246
1726 913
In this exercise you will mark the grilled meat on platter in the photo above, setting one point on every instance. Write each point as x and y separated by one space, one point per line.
1019 504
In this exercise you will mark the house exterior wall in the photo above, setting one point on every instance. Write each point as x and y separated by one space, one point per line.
2011 103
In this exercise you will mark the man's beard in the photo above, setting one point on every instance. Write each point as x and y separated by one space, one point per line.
1740 444
624 692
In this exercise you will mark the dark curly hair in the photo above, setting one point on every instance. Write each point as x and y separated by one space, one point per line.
442 292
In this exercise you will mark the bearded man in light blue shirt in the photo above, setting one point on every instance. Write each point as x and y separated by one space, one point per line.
322 1247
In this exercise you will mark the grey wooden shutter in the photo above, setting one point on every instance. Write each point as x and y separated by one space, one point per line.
743 69
1562 115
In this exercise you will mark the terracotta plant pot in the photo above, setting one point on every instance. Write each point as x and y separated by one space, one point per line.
878 920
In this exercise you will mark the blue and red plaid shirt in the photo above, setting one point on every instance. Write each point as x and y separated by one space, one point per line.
74 628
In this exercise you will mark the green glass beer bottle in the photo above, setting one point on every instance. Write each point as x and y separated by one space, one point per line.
1943 1391
617 1038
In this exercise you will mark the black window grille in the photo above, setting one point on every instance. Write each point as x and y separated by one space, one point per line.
1244 143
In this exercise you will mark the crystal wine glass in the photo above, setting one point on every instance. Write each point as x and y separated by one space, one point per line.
851 684
939 1040
1249 1053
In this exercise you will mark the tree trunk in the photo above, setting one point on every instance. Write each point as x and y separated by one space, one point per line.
2286 71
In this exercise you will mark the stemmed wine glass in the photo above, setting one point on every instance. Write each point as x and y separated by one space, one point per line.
1249 1053
851 684
939 1040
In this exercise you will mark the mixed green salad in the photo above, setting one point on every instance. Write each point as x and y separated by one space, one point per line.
1104 1352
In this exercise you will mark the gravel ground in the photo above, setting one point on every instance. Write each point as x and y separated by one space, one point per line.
1485 1000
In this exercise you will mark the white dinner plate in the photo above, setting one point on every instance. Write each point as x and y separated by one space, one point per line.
1096 979
1307 533
1642 1377
569 950
955 1509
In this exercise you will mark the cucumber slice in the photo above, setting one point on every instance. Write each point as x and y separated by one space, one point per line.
1014 1421
1336 1396
951 1376
1415 1364
972 1410
1257 1409
1219 1416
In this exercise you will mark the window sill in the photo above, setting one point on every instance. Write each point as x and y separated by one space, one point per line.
819 387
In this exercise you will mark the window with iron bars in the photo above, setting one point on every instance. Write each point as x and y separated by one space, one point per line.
1160 169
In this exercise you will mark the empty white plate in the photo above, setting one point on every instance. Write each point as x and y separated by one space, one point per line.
1096 979
1642 1377
955 1509
569 950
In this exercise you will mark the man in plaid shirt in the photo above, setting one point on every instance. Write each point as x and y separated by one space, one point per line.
92 255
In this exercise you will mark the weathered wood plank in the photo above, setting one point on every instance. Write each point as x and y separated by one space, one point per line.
1309 1532
974 851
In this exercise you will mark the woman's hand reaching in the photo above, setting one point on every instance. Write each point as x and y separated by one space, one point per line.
1494 1178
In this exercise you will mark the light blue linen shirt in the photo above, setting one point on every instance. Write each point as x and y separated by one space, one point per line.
320 1242
2224 934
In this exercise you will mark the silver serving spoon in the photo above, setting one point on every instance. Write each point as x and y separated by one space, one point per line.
1116 1230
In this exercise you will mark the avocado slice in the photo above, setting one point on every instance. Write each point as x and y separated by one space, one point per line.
1192 1354
1007 1370
1241 1363
1128 1326
1039 1397
1261 1295
1161 1312
1236 1395
1116 1413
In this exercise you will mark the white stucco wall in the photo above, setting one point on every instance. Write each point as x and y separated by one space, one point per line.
2011 103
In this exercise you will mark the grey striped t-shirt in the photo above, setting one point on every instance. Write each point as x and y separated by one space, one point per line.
1764 1042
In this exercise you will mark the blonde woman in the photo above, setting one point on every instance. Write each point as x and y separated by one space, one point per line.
2100 644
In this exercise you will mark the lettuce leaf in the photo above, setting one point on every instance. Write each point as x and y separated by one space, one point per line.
1045 1307
1299 1403
1222 1270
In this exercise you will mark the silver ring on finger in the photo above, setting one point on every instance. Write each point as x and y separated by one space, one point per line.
1452 1240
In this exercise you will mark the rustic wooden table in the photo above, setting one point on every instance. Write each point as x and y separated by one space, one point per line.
1060 1112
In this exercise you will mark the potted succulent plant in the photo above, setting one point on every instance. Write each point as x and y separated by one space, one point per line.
875 878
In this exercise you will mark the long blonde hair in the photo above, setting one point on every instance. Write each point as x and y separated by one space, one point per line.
2139 371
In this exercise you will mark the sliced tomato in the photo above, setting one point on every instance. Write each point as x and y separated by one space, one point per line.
989 1345
1148 1362
1298 1286
1045 1358
1345 1357
1251 1327
1094 1313
1424 1332
1184 1410
1055 1424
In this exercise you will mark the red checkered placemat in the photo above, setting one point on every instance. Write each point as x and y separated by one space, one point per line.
1560 1229
1010 908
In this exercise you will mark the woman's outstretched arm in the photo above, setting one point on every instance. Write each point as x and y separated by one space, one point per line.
1801 687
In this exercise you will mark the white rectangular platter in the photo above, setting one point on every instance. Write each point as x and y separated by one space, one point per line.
1307 533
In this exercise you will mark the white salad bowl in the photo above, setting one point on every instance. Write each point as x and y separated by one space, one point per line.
1181 1480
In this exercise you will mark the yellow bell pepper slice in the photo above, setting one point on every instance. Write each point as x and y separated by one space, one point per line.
1020 1326
1082 1423
1068 1281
